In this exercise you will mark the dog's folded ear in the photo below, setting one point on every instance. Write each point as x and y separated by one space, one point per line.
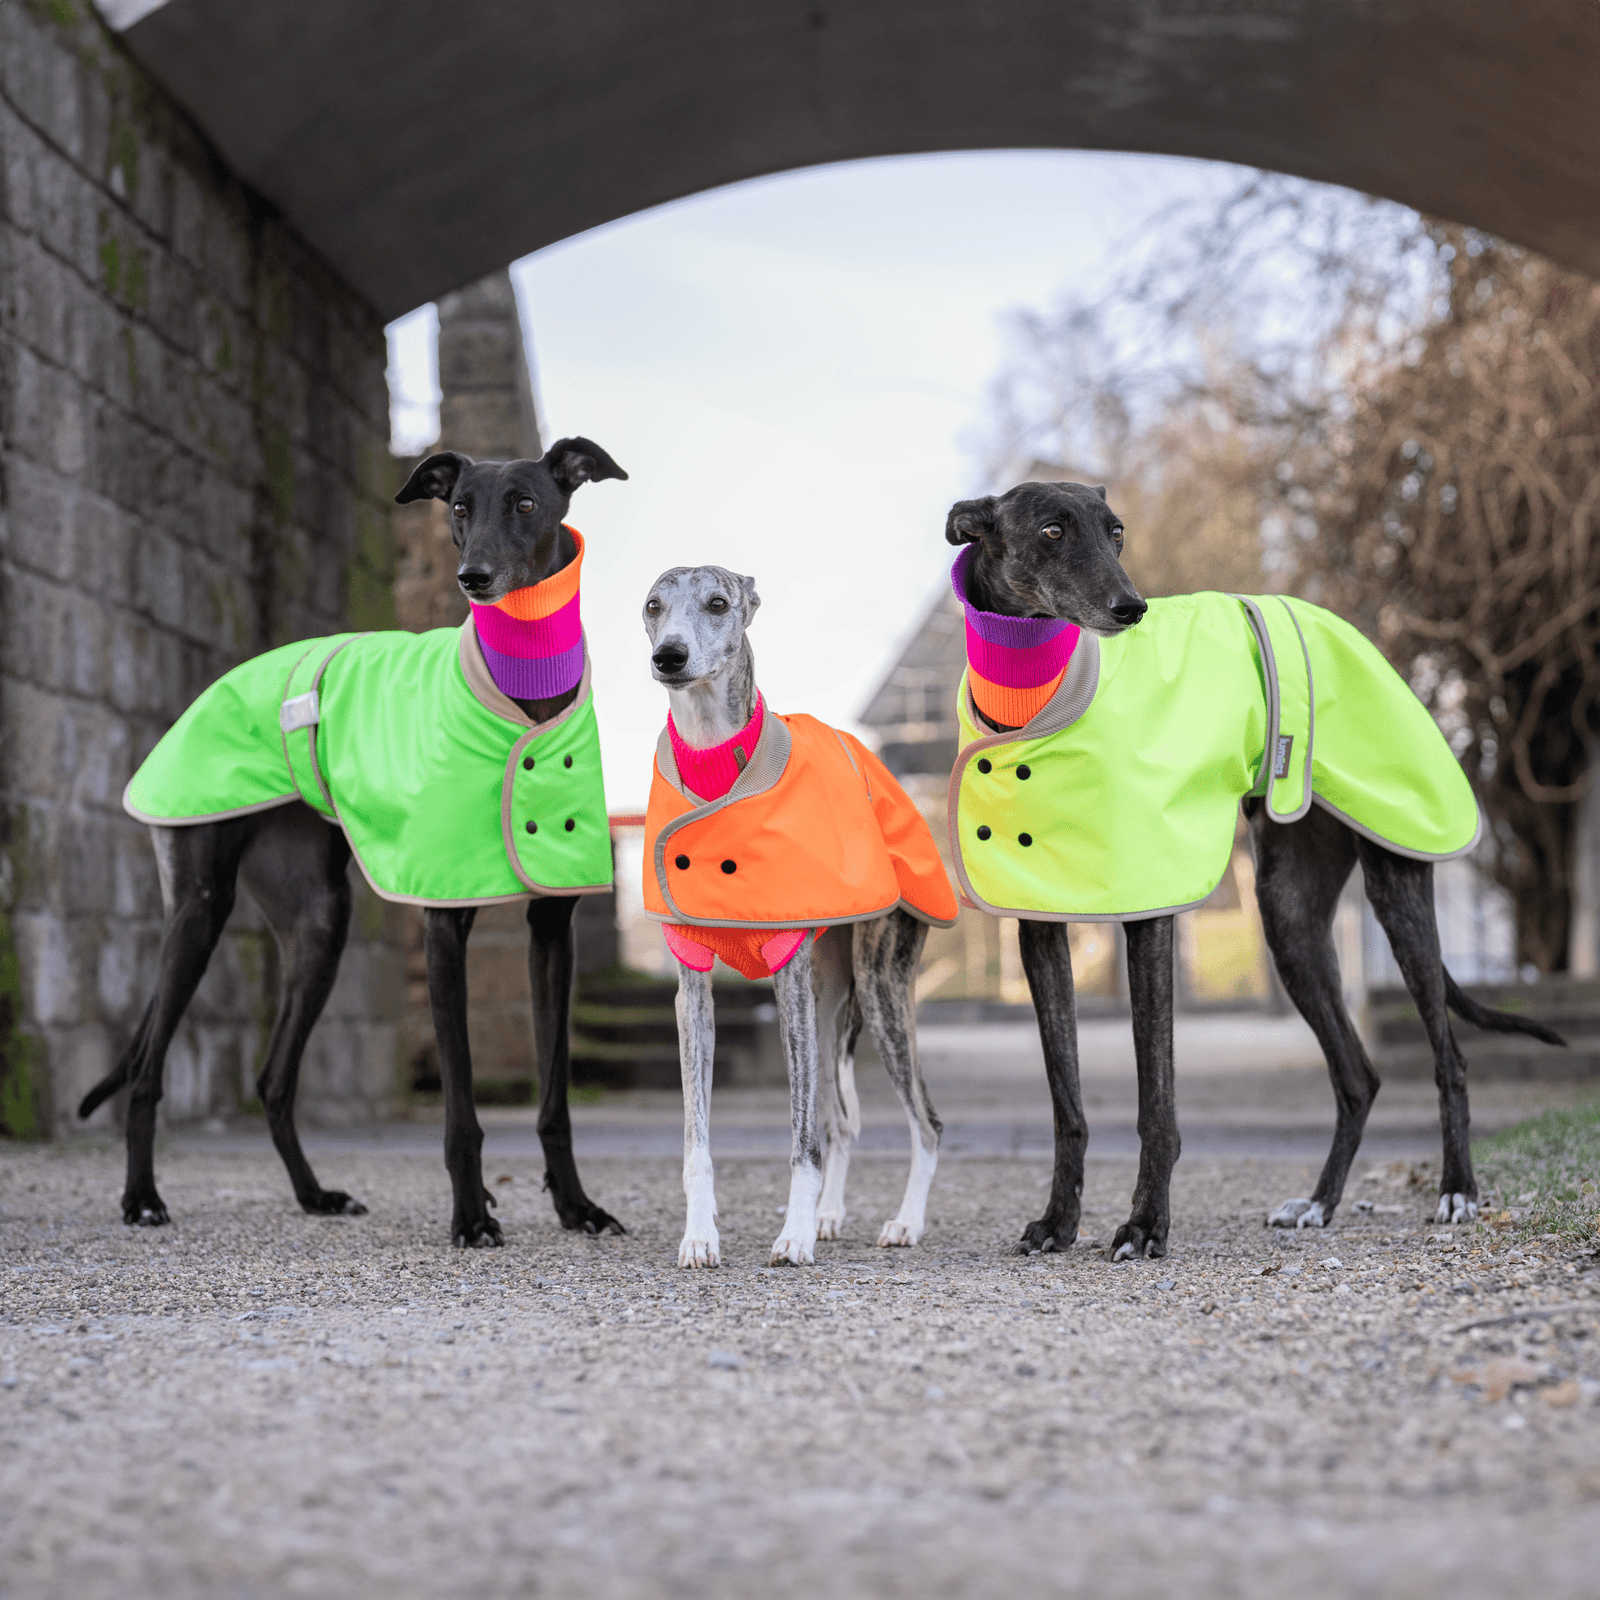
435 478
752 601
970 520
579 460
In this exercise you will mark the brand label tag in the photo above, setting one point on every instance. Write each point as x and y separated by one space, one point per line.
1280 760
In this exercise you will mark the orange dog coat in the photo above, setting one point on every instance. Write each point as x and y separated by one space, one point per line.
814 832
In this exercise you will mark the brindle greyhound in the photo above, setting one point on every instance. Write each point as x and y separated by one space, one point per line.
1051 550
859 973
506 520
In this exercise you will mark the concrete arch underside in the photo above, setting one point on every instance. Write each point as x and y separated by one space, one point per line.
418 144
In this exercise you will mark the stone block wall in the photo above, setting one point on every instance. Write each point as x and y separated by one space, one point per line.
193 468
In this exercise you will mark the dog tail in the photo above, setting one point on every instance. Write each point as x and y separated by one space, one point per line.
1469 1010
106 1087
123 1072
849 1100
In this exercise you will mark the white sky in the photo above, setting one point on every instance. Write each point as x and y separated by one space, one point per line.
794 373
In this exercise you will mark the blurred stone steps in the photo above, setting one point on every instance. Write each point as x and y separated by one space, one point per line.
1571 1006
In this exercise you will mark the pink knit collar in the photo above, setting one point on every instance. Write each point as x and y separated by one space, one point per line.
711 773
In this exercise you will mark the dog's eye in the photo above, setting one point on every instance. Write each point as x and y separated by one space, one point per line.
460 508
1051 530
717 603
525 505
653 606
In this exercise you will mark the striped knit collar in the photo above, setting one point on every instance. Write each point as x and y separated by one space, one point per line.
532 638
1014 664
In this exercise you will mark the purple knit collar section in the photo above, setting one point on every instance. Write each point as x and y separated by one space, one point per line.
994 627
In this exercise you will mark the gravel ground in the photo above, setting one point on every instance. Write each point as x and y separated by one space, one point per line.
257 1403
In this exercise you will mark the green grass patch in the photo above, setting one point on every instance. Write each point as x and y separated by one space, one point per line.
1543 1175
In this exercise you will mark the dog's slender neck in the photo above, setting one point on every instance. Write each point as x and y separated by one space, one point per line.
715 709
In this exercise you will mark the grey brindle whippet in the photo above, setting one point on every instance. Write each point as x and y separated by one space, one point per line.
852 975
1051 550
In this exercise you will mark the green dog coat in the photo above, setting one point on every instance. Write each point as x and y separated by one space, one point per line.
1119 799
448 793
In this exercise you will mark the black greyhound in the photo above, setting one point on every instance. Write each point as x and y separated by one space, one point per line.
1051 550
506 520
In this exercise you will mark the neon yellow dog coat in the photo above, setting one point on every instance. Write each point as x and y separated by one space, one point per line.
1118 799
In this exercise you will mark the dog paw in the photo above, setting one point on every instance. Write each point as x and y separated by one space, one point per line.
1132 1242
898 1235
699 1252
1044 1237
481 1235
831 1225
587 1217
1297 1214
333 1203
145 1211
1456 1208
791 1252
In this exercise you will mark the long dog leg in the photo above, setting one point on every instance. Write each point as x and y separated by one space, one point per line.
697 1049
886 954
838 1027
1150 998
1047 961
295 870
444 943
198 867
1301 867
797 1023
1401 892
552 961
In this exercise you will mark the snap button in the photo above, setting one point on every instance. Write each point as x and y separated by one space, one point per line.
983 831
566 761
571 824
681 863
730 866
527 763
1024 772
1024 838
984 764
532 827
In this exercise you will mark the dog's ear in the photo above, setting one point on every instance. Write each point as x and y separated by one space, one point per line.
435 478
752 601
579 460
970 520
1101 491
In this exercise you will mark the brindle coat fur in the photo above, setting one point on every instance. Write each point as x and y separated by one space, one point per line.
506 520
1051 550
860 974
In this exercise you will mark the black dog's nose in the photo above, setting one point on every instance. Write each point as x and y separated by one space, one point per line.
671 657
1129 609
474 579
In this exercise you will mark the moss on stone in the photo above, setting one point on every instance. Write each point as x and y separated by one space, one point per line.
22 1108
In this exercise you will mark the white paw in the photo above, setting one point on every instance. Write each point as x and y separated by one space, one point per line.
699 1252
830 1226
1296 1214
898 1235
1454 1208
1125 1251
791 1252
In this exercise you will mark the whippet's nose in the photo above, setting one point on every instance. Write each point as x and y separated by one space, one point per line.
671 657
1129 609
474 579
